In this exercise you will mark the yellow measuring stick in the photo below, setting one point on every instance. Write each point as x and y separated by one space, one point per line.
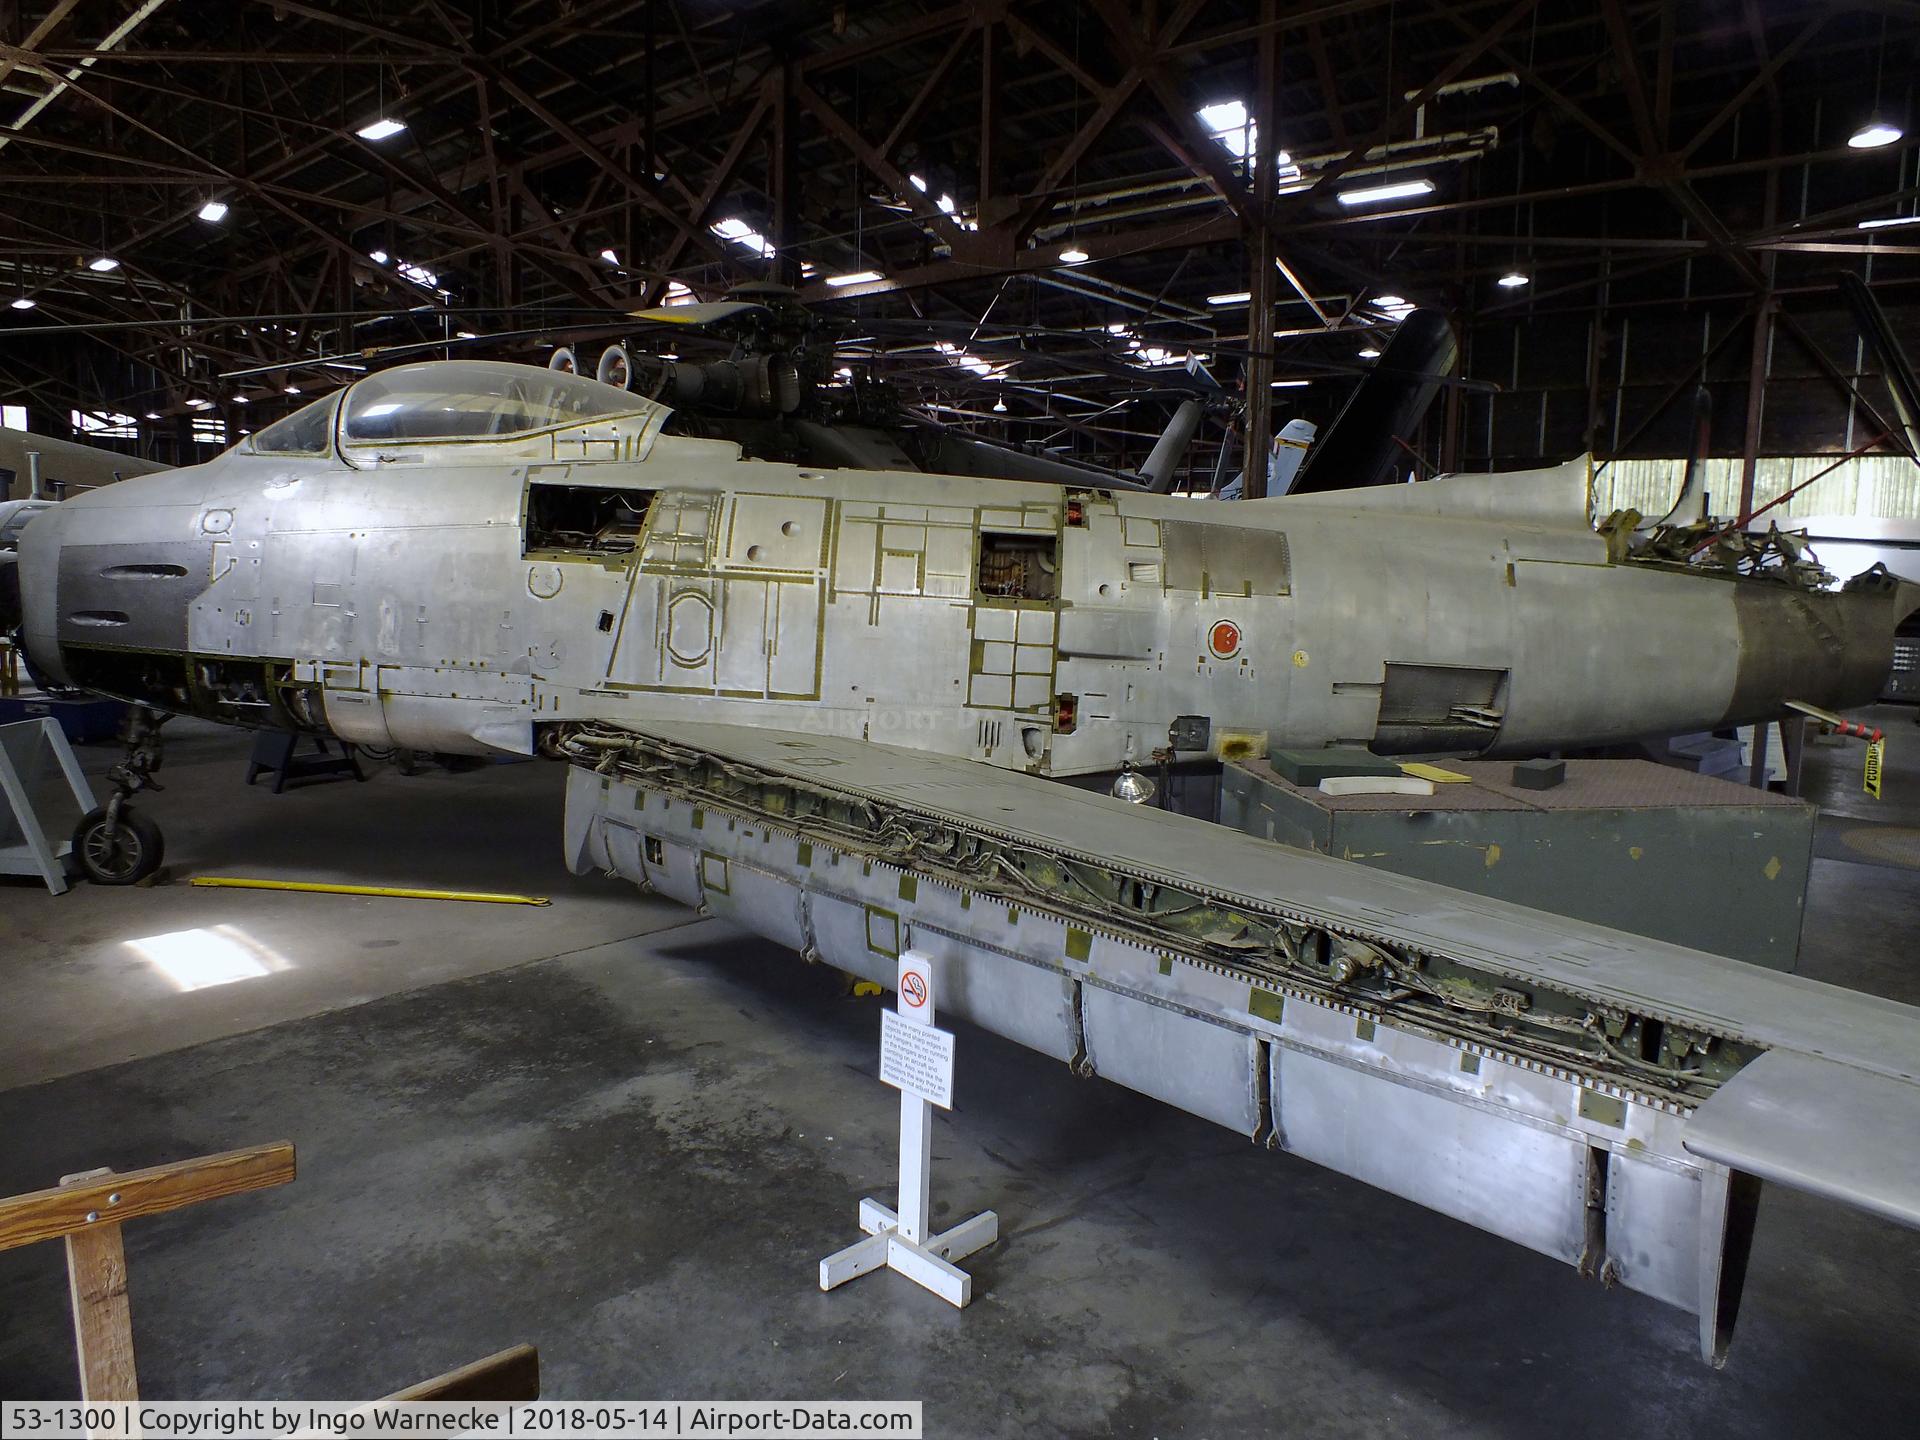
391 892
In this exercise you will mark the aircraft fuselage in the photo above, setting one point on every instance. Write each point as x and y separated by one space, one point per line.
448 605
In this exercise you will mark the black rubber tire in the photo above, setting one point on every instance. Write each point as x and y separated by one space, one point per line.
133 853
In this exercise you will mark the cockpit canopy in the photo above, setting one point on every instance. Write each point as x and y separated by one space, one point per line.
442 401
471 399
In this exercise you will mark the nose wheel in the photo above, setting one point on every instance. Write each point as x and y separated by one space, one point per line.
116 844
117 850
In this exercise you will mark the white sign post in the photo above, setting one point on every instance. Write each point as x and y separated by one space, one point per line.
917 1060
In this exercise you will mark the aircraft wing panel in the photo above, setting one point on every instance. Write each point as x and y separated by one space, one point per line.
1832 1130
1449 1049
1687 987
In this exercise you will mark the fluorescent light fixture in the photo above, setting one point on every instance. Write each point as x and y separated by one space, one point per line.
241 400
608 256
858 277
1513 280
465 335
1290 384
23 303
1873 135
214 211
200 404
1393 190
101 264
1072 255
378 257
1889 222
385 128
1238 297
1369 353
293 389
1389 302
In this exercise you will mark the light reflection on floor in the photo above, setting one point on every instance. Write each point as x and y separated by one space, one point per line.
213 955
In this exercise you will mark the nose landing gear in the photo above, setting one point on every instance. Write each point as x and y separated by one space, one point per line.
115 844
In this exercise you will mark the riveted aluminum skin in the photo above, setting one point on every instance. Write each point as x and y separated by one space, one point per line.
426 595
1567 1160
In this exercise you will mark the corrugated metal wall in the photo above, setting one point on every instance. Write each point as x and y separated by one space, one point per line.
1870 486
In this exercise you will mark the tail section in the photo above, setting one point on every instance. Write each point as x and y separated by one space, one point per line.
1361 446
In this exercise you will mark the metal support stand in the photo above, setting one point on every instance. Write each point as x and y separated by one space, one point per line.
26 846
898 1240
276 753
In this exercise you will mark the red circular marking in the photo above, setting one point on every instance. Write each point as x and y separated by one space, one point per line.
913 989
1224 639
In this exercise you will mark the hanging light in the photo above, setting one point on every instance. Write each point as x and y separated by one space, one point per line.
385 128
101 264
23 303
1393 190
1873 135
1513 280
1073 255
214 211
1000 405
1133 787
1369 353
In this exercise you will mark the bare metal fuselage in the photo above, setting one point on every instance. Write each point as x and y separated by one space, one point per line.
453 597
459 596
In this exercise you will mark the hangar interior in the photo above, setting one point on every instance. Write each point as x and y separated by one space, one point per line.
1010 242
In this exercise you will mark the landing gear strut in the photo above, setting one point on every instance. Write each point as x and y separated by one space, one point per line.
116 845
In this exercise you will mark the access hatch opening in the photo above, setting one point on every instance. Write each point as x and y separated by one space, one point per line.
585 520
1018 566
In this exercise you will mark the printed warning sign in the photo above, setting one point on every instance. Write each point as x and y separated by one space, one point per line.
1876 758
917 1058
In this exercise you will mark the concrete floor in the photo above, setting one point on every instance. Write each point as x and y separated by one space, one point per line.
628 1135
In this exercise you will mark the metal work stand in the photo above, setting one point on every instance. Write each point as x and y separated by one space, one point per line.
25 846
899 1241
274 753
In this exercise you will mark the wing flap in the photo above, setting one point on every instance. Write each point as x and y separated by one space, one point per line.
1832 1130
